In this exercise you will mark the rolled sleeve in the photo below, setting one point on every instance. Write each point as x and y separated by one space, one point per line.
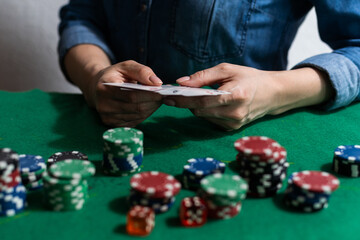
339 26
80 34
343 74
82 22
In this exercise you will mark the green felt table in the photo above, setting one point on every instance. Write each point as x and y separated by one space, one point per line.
42 123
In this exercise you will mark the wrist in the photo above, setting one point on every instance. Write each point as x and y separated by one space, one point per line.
299 88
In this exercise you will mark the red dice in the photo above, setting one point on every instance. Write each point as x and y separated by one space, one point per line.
193 212
140 221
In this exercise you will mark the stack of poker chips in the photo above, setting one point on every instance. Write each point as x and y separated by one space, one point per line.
60 156
123 151
198 168
65 184
309 191
223 194
156 190
346 160
32 169
262 164
12 192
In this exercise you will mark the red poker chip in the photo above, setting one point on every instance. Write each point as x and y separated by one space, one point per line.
224 212
155 184
259 146
316 181
10 180
278 153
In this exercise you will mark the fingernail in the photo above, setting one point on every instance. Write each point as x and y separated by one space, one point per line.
183 79
169 102
155 79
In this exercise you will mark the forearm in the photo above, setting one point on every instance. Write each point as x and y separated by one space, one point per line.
83 62
301 87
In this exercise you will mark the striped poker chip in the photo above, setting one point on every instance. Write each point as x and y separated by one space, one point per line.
225 186
350 153
72 169
315 181
60 156
12 200
260 146
120 136
9 161
31 163
159 205
155 184
204 166
223 212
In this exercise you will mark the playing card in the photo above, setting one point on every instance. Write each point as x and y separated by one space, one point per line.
170 90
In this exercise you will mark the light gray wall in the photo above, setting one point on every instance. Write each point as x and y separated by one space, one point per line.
28 39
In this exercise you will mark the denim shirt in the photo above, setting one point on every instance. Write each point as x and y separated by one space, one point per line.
179 37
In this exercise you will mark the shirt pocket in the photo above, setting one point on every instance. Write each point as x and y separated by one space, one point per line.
209 30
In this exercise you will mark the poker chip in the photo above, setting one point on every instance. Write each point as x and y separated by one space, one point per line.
315 181
30 163
60 156
9 161
223 194
159 205
72 169
310 191
9 169
12 200
122 151
223 212
258 147
225 186
346 160
155 184
198 168
262 163
156 190
64 194
32 168
350 153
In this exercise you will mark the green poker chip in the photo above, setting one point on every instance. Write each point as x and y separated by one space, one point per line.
72 169
120 136
224 188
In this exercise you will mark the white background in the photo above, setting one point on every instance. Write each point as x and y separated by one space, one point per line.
28 39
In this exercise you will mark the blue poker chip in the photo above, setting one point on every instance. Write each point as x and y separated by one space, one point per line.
31 163
350 153
204 166
121 164
12 201
159 205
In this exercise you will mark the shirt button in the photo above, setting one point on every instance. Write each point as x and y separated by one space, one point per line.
141 50
143 7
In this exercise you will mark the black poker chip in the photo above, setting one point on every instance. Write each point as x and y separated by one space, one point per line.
60 156
8 159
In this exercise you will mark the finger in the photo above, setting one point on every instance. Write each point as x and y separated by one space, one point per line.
114 122
114 107
225 125
229 113
207 77
138 72
134 96
198 102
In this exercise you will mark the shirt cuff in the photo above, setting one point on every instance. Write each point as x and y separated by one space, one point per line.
80 34
343 75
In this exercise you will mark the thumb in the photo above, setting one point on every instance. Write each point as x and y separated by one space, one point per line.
205 77
140 73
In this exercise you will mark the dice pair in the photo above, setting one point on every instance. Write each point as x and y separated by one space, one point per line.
193 212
